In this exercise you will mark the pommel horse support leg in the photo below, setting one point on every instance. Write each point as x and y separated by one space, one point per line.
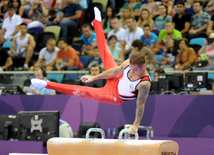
80 146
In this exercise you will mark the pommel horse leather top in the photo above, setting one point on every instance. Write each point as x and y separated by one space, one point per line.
81 146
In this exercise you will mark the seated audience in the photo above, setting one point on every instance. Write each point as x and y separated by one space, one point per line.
89 38
127 12
69 16
27 4
157 72
134 5
110 13
162 18
210 7
152 7
24 44
199 21
116 52
164 35
182 19
5 60
39 74
210 26
186 55
18 7
10 26
117 30
169 58
47 54
150 58
131 33
145 18
3 8
149 38
95 59
66 57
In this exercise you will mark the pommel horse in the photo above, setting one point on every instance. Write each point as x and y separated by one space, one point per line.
88 146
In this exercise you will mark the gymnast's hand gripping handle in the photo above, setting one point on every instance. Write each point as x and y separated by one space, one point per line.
94 130
124 131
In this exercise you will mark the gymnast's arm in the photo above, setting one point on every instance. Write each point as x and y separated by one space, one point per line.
106 74
143 91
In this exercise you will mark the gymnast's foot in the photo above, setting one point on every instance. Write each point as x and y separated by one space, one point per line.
38 83
97 14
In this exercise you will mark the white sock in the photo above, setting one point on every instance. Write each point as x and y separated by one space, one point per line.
97 14
38 83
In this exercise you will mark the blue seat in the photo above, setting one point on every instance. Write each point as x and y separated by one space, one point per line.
159 57
210 76
39 30
71 76
7 44
197 41
84 60
57 77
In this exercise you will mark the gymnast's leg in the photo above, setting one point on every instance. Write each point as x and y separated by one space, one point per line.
105 53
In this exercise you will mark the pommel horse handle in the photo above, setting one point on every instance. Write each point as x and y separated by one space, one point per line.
125 131
94 130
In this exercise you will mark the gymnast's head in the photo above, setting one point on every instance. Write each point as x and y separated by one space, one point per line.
137 63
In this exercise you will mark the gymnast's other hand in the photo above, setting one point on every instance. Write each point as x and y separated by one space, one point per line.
87 79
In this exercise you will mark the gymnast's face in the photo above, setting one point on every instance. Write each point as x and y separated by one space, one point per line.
136 70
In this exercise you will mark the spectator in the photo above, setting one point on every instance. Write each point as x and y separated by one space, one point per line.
59 5
210 26
210 7
157 72
182 19
169 58
149 38
170 7
131 33
208 51
107 20
127 12
83 4
116 52
185 68
10 25
18 7
27 4
25 44
95 59
162 18
37 14
48 54
117 30
94 70
66 56
69 16
151 61
186 55
5 60
39 74
199 21
89 38
152 7
145 18
165 35
134 5
3 8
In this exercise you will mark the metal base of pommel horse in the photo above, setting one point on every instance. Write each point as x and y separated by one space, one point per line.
88 146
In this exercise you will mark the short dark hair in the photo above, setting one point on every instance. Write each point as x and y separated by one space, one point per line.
63 39
200 2
114 18
86 25
130 18
146 25
159 70
137 58
138 43
52 12
111 37
23 24
180 2
10 6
